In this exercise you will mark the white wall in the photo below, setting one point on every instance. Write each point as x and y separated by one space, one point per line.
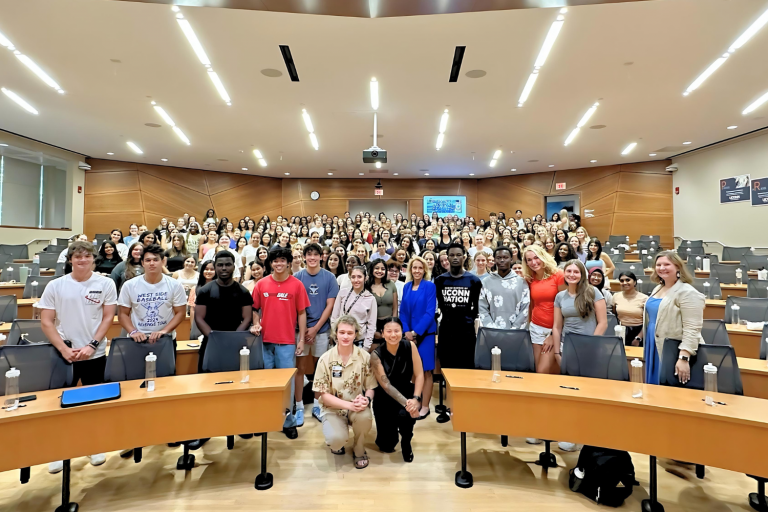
75 203
698 212
389 206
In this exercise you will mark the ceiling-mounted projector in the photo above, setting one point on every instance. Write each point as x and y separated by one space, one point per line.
374 154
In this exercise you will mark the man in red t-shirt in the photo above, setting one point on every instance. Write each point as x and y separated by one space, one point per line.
282 300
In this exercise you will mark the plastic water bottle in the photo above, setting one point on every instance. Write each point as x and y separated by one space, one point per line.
710 383
636 376
12 389
650 262
150 372
36 259
34 289
23 274
707 290
245 365
735 318
496 364
698 262
739 275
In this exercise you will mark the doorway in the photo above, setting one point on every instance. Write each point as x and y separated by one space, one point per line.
569 203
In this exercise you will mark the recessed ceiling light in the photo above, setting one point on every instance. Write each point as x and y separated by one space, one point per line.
593 161
426 174
19 101
330 174
551 165
134 147
160 110
629 148
732 127
513 170
107 153
378 165
686 143
175 8
287 174
651 154
361 174
396 174
244 169
163 159
471 174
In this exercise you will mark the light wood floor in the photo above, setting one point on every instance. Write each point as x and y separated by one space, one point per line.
308 477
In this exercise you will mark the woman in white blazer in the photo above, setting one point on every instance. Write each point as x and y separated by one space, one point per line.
674 310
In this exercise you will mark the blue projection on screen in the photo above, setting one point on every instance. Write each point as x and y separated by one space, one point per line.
446 205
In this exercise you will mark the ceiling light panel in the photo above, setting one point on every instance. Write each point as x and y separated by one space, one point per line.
259 157
755 105
745 36
30 64
169 121
136 149
19 101
629 148
202 56
441 130
495 158
583 121
310 128
374 94
546 48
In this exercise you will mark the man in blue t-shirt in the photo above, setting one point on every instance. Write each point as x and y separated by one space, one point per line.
322 290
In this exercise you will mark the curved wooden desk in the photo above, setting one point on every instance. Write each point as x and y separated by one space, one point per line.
181 407
666 422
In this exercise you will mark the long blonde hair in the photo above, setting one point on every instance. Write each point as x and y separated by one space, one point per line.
677 261
550 267
427 272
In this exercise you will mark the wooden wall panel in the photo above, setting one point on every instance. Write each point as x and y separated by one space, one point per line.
501 195
158 205
185 199
257 196
116 181
604 206
113 202
634 225
329 207
540 182
574 178
627 202
599 227
106 222
188 178
221 181
291 191
644 183
595 190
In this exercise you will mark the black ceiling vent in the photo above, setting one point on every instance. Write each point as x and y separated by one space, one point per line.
458 56
289 65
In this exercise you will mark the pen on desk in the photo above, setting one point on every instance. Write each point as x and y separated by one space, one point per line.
569 387
513 377
225 382
714 401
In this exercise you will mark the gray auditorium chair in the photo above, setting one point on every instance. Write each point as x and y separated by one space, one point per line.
612 323
650 246
645 285
41 368
757 289
60 267
5 258
42 283
618 239
686 252
515 345
721 356
648 238
714 332
691 243
751 310
726 273
754 262
48 260
127 361
636 268
735 253
29 330
14 274
598 357
616 258
714 286
9 309
18 252
63 241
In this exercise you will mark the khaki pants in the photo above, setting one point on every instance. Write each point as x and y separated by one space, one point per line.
336 429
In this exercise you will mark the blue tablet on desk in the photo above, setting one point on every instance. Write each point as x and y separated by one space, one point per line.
90 394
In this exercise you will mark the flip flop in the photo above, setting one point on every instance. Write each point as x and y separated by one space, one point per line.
357 459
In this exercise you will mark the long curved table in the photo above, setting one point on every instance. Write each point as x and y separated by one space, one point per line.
666 422
181 407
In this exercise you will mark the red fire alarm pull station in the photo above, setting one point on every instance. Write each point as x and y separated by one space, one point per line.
677 191
79 189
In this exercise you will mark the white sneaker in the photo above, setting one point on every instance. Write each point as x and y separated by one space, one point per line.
98 459
568 447
56 467
532 440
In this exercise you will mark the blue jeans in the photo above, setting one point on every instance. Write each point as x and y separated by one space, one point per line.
281 356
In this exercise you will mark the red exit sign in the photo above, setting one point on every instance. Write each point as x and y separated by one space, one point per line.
379 192
559 186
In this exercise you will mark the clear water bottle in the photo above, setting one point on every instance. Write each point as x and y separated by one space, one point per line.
23 274
620 331
496 364
245 365
150 371
735 317
739 275
698 262
707 290
36 259
649 262
12 389
636 376
710 383
34 289
5 275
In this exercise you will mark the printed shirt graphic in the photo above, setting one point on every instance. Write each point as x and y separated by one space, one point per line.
320 287
151 304
457 298
280 303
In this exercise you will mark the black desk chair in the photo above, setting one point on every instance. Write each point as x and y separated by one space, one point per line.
635 268
650 246
48 260
754 262
60 269
42 368
223 355
616 257
715 333
127 361
726 272
685 252
618 239
691 243
597 357
655 238
30 330
736 253
31 292
612 323
9 309
751 310
712 290
757 289
17 252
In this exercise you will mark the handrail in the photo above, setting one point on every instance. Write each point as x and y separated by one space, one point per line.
38 240
721 244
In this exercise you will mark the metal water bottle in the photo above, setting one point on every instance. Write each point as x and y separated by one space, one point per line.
12 389
636 376
735 317
150 372
710 383
496 364
245 365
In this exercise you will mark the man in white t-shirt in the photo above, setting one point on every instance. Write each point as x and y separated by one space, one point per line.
519 219
479 247
250 251
80 308
152 304
63 255
318 227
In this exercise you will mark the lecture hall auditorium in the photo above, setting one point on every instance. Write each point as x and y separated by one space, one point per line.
383 254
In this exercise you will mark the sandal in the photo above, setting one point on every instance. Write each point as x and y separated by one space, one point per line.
359 460
340 452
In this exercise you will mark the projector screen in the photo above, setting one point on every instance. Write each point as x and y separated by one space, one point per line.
446 205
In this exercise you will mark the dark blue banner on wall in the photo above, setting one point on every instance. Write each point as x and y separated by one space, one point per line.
760 192
733 190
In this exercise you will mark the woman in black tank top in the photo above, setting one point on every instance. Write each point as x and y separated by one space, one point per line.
397 401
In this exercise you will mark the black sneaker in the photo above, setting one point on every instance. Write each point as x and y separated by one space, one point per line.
291 432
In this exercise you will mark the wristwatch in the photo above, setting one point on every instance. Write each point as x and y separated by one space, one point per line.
417 398
684 358
369 401
94 344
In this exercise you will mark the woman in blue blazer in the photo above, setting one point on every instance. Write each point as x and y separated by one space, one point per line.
417 312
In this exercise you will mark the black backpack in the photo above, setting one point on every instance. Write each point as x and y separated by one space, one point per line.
603 475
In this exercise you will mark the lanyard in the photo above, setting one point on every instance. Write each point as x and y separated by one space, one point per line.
344 304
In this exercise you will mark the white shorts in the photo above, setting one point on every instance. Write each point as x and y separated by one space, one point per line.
316 349
538 333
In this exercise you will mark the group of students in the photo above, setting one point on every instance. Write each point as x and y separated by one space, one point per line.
363 328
